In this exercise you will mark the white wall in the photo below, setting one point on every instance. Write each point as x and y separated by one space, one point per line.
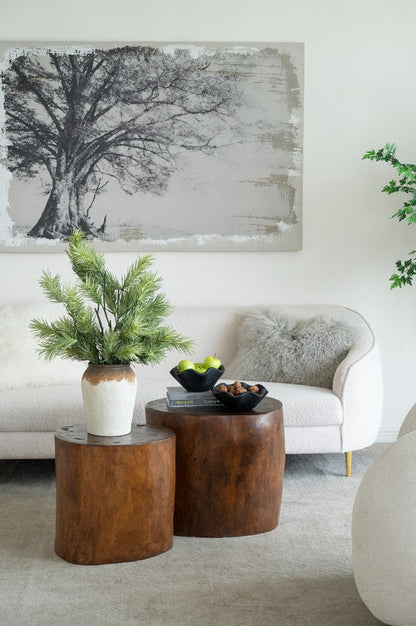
359 93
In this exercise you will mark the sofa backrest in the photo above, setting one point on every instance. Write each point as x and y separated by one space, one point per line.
20 364
212 328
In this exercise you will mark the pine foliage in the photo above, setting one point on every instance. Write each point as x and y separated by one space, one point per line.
108 321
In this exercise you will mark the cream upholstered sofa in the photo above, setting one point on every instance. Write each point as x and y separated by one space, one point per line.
38 397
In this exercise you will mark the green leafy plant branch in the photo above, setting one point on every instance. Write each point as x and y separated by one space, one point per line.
406 183
124 322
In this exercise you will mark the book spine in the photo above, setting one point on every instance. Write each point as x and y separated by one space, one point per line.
190 395
194 402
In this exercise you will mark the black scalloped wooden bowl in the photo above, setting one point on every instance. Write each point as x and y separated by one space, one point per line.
194 381
243 402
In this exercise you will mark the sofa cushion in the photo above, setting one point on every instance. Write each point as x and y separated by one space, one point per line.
21 364
40 408
49 408
304 405
283 349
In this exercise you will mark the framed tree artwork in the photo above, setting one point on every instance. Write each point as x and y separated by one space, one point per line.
151 147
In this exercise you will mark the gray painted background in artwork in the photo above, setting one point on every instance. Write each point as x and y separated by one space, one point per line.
221 177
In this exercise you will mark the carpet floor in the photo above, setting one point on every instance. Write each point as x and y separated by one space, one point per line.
298 574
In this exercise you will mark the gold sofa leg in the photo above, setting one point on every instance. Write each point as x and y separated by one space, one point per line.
348 463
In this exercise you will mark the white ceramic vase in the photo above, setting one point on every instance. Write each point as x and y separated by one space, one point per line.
109 394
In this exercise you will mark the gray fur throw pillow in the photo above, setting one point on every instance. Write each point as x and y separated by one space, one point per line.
286 350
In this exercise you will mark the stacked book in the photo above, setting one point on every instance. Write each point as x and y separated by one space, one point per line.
179 397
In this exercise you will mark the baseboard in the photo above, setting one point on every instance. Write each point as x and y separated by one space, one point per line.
387 434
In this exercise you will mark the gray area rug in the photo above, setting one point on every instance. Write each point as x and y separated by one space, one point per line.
300 573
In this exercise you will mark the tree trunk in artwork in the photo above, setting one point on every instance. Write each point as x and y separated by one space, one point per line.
65 210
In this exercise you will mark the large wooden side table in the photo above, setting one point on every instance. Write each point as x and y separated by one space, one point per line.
114 495
229 467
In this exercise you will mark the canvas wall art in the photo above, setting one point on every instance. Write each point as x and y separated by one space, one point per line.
151 147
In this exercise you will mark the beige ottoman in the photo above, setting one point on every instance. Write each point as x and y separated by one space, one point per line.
384 532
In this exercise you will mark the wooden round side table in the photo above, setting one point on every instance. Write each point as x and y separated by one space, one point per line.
114 495
229 467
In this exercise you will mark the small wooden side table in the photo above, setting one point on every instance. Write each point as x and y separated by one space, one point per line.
229 467
114 495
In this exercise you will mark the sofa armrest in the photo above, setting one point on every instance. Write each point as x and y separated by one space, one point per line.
358 384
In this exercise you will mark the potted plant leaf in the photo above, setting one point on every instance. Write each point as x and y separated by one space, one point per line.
406 183
110 323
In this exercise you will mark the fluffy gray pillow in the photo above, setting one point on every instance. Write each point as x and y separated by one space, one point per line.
281 349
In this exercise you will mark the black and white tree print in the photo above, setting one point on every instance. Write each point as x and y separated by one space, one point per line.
125 113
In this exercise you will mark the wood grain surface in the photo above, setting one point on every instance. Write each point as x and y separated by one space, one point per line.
229 467
114 495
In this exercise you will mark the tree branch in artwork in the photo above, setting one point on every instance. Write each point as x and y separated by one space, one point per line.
128 113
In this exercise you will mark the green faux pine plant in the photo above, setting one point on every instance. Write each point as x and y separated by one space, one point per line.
122 323
406 183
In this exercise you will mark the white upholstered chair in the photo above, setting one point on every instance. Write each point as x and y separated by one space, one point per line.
384 531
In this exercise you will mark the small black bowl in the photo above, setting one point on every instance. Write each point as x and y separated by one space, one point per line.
243 402
194 381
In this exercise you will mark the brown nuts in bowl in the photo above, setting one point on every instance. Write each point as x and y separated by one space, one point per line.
236 389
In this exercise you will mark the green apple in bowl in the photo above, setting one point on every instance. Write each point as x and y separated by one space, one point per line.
185 364
196 376
211 361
